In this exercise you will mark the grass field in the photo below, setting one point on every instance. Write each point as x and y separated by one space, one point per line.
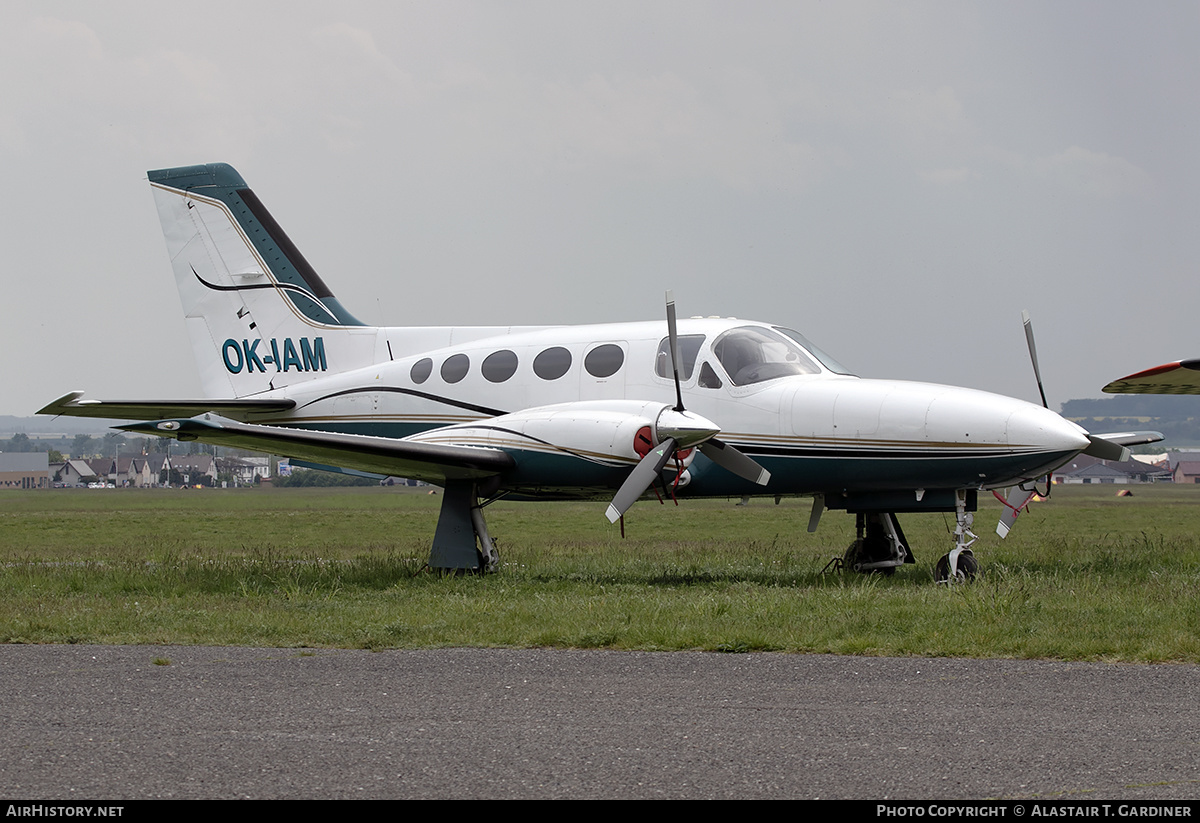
1086 576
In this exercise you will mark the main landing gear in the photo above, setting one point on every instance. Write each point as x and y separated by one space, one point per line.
880 546
461 543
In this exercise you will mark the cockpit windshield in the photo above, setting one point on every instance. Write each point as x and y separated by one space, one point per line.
751 354
826 361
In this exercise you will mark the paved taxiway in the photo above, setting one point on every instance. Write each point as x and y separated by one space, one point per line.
108 722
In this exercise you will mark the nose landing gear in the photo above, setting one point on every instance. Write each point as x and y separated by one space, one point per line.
960 564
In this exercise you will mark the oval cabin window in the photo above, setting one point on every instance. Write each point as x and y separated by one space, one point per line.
499 366
604 361
455 368
552 364
421 370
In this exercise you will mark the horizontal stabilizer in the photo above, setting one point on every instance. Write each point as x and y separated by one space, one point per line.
377 455
73 406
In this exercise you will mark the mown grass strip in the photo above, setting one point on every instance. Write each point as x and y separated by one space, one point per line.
1086 576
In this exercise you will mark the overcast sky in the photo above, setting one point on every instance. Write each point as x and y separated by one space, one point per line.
897 180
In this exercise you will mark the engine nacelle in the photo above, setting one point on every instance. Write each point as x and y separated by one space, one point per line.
612 432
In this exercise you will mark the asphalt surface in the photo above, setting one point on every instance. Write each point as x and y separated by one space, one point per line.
108 722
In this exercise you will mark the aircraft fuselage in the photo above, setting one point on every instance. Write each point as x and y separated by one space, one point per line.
816 432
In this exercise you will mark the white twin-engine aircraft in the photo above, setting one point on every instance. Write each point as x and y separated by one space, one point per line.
608 411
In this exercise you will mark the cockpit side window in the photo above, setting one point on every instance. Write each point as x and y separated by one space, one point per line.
708 377
750 354
826 361
689 348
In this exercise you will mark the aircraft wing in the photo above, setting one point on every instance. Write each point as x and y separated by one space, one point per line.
378 455
73 406
1130 438
1180 377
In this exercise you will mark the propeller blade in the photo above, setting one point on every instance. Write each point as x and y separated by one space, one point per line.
1106 449
673 337
1014 504
643 474
732 460
1037 372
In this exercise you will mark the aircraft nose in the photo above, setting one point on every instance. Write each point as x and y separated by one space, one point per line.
1032 425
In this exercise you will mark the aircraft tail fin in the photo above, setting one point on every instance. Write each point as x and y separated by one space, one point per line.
258 315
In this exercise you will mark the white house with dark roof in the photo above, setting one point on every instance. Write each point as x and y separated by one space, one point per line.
195 468
72 473
1086 469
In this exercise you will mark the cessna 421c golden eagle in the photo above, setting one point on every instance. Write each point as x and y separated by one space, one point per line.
701 407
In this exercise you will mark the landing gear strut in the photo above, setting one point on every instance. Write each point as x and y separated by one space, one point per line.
960 564
880 546
461 542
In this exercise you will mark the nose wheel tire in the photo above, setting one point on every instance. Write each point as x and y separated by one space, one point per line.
968 568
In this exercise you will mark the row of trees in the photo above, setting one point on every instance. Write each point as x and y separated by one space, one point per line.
1173 415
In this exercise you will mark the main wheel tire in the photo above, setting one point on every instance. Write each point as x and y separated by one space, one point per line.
856 554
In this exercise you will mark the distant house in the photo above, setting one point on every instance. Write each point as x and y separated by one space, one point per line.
134 470
1096 473
103 468
1177 458
159 466
195 469
73 473
1187 472
24 470
1086 469
244 470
